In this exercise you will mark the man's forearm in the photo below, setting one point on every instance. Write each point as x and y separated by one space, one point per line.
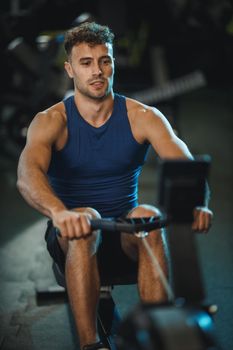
36 190
207 194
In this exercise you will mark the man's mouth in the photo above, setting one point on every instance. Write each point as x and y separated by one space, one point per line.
97 83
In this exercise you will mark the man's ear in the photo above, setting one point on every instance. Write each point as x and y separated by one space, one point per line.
68 69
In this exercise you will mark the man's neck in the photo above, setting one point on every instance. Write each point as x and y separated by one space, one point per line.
95 112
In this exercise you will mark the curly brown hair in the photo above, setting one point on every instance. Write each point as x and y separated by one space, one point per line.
88 32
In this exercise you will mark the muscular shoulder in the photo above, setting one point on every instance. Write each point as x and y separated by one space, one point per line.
54 115
50 124
143 119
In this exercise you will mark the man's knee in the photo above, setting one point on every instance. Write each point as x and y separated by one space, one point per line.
89 243
155 237
144 210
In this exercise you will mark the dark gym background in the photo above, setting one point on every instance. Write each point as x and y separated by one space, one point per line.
175 55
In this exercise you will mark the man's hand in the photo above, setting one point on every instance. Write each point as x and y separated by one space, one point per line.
202 219
72 224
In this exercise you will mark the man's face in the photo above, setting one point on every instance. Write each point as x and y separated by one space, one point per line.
92 69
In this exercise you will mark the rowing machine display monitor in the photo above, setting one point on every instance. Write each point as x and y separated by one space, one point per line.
183 187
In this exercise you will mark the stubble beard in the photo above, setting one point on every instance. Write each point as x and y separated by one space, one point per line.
87 93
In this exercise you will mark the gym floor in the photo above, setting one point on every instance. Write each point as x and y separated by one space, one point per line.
204 120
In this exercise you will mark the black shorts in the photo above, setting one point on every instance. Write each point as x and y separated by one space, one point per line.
114 265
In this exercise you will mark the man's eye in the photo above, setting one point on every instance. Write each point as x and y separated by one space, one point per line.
85 63
106 61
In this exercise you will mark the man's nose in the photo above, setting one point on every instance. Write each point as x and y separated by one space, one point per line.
97 69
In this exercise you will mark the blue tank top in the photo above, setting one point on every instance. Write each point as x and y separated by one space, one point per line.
98 167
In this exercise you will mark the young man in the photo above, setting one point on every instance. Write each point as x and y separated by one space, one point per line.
82 160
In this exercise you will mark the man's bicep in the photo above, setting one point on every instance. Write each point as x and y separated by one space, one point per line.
164 140
35 156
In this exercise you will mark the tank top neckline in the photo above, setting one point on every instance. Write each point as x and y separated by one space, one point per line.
106 123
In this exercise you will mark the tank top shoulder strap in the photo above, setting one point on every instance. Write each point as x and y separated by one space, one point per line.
72 114
120 103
